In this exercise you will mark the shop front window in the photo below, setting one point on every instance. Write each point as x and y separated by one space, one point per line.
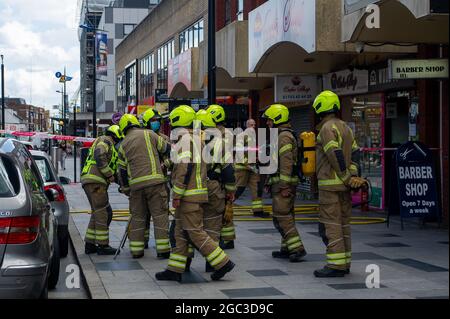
165 53
146 77
367 125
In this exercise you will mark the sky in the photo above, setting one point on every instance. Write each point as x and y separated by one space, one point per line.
39 38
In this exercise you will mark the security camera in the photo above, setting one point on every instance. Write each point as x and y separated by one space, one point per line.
359 47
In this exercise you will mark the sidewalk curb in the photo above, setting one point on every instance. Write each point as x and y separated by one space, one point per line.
93 282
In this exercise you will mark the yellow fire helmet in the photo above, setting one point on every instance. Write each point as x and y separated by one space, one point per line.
128 121
278 113
206 118
182 116
114 131
217 112
150 115
327 102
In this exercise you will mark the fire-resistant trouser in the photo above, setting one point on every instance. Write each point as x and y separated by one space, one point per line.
189 230
335 210
284 221
150 201
248 178
214 210
149 216
98 229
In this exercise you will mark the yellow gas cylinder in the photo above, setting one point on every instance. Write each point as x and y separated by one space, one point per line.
309 153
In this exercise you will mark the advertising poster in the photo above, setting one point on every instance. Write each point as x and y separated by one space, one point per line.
102 54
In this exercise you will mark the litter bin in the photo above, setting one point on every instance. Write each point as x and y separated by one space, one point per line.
84 153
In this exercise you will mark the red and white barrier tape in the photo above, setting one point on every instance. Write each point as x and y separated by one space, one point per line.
49 136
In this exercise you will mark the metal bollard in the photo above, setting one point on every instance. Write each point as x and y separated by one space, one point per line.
54 157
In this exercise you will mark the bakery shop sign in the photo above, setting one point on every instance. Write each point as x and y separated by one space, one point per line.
295 88
418 69
347 82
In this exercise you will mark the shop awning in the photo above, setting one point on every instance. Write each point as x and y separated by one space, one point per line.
401 21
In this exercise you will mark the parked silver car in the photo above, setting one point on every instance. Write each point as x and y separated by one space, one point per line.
60 204
29 252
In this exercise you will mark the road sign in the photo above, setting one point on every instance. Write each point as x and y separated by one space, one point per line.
58 75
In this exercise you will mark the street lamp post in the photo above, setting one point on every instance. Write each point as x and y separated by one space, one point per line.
212 51
3 94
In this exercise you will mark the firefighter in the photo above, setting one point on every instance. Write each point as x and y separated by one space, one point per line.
141 178
337 173
228 233
247 174
189 194
98 173
283 184
221 184
151 120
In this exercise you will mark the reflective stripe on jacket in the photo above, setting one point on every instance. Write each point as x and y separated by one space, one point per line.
139 159
189 171
335 144
287 175
101 163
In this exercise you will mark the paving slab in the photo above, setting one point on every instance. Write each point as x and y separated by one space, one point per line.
413 263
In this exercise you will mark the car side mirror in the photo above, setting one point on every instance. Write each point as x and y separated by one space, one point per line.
51 194
64 180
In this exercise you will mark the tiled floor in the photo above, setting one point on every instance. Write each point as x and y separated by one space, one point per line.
413 264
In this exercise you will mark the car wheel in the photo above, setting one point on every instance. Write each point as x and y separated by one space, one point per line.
54 266
63 238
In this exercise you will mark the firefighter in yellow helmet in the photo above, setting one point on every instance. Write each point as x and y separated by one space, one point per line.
221 182
142 178
228 233
189 194
98 173
284 183
151 120
337 173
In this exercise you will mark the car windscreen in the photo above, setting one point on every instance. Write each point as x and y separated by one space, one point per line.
44 168
9 180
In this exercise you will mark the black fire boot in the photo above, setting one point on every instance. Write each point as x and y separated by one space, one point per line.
218 274
226 245
280 254
90 249
138 256
163 255
209 268
146 245
327 272
168 275
347 271
188 264
297 257
106 250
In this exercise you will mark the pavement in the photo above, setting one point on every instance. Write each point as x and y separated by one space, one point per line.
412 263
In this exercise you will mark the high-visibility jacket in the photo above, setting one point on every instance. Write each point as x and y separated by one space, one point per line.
244 141
335 145
189 172
101 163
287 174
139 159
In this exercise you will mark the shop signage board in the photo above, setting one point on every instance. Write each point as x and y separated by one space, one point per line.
413 182
296 88
418 69
180 71
279 21
347 82
380 81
